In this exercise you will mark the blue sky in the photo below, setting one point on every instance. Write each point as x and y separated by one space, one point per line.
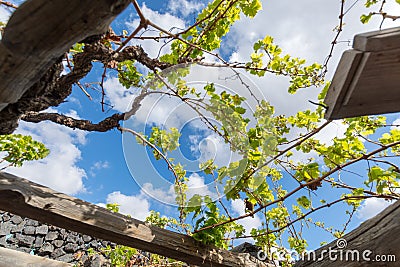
99 167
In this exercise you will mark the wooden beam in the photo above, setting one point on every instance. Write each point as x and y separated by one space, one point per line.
39 32
343 77
374 240
378 41
13 258
366 81
25 198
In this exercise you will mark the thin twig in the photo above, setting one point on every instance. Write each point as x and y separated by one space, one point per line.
8 4
142 25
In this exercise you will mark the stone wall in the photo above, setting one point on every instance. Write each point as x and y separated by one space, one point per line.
48 241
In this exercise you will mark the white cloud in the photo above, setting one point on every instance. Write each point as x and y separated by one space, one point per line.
395 122
118 95
101 165
97 166
371 207
164 20
163 110
59 170
213 147
184 7
194 140
164 196
196 185
4 14
236 57
299 36
334 129
248 223
136 205
155 109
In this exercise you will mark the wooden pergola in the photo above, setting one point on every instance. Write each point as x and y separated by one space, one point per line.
367 79
41 31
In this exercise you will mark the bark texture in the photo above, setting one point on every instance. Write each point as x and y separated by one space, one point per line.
34 40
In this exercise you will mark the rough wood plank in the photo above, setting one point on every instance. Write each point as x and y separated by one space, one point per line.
341 81
375 87
377 79
380 235
368 86
39 32
371 89
378 40
22 197
12 258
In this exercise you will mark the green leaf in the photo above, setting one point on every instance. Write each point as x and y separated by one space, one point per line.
77 48
365 18
128 75
195 201
20 148
304 202
240 110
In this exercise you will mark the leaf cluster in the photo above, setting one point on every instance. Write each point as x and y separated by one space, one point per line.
21 148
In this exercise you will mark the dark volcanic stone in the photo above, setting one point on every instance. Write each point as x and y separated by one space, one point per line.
6 217
72 238
30 222
96 261
58 252
71 248
25 240
29 230
38 242
58 243
42 230
80 240
47 248
86 238
3 241
18 228
5 228
51 236
12 240
16 219
94 244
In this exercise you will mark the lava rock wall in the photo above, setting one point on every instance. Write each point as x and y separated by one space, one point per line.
49 241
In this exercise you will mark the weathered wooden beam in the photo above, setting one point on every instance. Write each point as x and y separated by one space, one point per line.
25 198
39 32
366 81
13 258
375 242
378 41
343 77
